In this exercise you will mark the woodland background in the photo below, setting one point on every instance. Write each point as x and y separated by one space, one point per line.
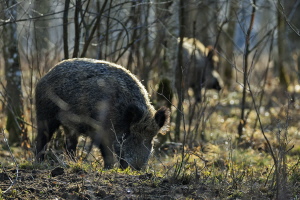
254 117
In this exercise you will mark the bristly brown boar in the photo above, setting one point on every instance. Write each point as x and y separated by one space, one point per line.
101 100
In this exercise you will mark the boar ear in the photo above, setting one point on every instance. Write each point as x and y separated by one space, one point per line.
133 114
162 116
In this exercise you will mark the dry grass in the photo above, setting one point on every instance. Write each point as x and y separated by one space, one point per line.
212 165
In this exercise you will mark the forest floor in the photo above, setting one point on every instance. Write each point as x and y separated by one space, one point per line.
219 167
62 183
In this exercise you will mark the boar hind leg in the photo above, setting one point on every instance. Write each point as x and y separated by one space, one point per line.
71 141
46 128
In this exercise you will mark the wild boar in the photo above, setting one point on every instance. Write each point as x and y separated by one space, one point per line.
199 67
103 101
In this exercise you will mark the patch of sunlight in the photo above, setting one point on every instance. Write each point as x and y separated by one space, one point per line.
297 88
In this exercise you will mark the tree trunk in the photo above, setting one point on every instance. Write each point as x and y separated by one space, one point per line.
146 61
281 40
94 28
228 40
41 34
179 72
246 71
65 29
298 64
135 16
77 29
15 124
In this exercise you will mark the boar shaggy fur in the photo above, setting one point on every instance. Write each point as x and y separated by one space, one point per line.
101 100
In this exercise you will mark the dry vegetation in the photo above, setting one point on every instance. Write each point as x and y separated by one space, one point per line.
211 160
219 167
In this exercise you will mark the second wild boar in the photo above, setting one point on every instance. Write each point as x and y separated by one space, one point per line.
199 64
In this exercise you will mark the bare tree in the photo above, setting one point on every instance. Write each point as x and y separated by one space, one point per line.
228 41
246 70
179 71
14 108
65 29
41 34
78 10
281 46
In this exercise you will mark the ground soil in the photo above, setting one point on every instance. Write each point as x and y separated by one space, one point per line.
217 169
64 183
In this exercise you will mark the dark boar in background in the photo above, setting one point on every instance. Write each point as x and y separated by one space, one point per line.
101 100
199 67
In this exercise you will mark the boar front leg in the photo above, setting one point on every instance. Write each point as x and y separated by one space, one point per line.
106 148
71 141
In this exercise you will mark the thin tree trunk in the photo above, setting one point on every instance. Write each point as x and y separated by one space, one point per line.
77 28
245 70
280 168
15 124
229 43
281 46
65 29
146 63
41 34
94 29
134 19
99 47
298 64
179 72
107 46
